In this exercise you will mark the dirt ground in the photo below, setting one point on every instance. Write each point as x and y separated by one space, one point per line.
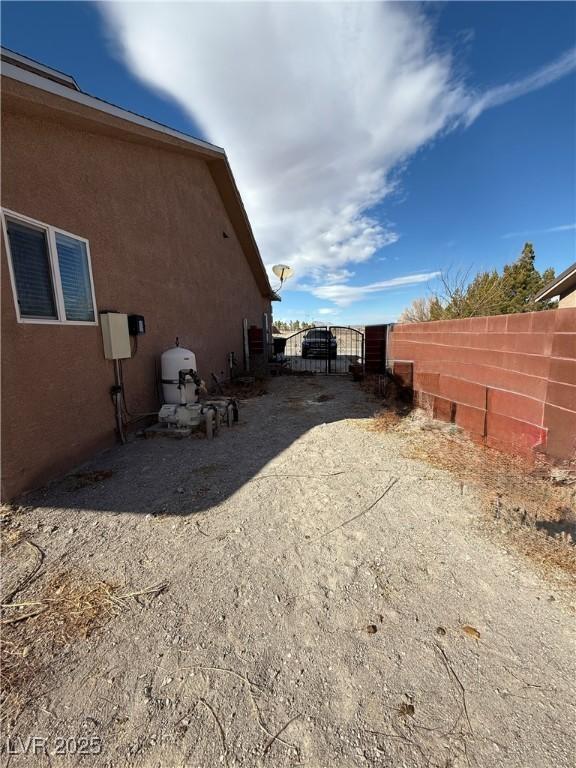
318 599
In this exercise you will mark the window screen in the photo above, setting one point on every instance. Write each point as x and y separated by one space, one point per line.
32 273
75 277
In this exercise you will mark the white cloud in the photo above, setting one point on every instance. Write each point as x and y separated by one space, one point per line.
549 230
316 105
344 295
332 276
327 311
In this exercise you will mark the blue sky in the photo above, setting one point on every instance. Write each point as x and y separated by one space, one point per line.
368 141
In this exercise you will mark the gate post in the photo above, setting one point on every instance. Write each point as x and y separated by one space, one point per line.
375 346
257 350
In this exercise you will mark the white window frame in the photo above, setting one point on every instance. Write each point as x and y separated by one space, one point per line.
51 233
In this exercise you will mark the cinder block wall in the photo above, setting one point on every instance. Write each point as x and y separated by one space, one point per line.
509 380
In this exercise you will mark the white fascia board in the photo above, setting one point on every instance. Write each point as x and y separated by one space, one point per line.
26 62
42 83
556 288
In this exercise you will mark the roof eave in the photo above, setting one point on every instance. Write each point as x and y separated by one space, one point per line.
220 169
224 179
15 72
31 65
564 282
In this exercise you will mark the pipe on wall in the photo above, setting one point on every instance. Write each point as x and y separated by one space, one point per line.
117 397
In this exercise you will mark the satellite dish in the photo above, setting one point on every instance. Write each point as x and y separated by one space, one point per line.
282 271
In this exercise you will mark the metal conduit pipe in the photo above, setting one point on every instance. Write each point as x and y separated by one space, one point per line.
117 397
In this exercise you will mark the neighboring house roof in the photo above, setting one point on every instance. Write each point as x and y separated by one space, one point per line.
563 284
53 90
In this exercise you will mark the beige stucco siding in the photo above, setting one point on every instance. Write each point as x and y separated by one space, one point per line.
569 300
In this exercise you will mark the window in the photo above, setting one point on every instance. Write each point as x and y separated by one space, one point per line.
75 277
32 273
51 274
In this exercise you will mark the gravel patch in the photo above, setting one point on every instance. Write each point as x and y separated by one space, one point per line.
328 602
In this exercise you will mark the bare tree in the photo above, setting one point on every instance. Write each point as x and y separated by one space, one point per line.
456 296
460 297
418 312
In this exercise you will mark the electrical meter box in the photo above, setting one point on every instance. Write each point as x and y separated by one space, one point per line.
136 325
115 335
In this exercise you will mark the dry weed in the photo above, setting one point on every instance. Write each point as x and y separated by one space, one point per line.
516 480
85 479
520 498
392 417
69 608
243 390
385 421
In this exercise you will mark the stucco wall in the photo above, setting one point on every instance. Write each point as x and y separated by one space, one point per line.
509 379
568 301
154 220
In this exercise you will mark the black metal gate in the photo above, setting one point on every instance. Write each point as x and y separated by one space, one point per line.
325 349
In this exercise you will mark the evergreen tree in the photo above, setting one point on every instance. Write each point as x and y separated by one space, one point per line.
484 295
521 281
436 309
489 293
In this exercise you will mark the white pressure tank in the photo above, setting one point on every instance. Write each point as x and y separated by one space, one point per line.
172 362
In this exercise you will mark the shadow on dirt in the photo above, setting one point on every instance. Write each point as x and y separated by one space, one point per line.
565 528
163 476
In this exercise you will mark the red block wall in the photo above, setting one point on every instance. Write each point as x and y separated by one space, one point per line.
509 380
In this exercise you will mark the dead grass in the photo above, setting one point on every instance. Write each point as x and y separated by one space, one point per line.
394 415
385 421
243 389
521 500
373 384
68 608
514 480
85 479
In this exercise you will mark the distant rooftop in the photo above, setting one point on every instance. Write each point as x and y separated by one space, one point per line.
11 57
563 284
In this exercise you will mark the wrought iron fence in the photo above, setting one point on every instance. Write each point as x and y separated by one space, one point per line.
326 349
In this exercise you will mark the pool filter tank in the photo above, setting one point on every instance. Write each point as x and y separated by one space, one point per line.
182 411
173 362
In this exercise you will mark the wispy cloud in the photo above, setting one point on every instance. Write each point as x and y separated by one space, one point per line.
327 275
548 74
316 104
548 230
327 311
343 295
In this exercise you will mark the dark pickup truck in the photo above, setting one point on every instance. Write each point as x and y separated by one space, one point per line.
319 342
